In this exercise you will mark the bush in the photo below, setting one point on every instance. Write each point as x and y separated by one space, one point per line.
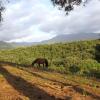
57 69
58 62
94 73
74 69
87 64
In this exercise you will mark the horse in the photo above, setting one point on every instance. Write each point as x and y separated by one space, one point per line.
40 61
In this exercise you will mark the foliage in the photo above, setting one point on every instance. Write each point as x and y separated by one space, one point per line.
60 69
92 73
74 69
61 56
97 52
68 5
4 45
95 73
1 9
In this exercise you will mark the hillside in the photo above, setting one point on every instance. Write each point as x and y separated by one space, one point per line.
61 56
19 83
73 37
22 44
73 72
60 38
5 45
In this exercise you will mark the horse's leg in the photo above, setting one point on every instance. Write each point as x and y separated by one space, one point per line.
43 65
38 65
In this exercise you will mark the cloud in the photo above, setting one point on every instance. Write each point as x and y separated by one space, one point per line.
37 20
21 19
81 20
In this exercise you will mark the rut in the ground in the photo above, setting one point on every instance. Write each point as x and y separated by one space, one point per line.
36 87
24 87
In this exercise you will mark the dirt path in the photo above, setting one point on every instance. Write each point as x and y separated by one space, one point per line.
17 84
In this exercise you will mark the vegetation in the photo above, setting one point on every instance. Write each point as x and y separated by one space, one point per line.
61 56
97 53
68 5
1 9
5 45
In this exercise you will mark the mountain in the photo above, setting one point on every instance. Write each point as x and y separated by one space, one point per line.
19 44
73 37
56 39
5 45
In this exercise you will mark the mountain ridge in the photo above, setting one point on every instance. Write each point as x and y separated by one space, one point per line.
56 39
73 37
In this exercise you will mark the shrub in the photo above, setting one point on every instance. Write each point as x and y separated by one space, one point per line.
57 69
95 73
74 69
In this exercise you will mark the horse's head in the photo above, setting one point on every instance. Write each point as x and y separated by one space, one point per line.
33 63
46 62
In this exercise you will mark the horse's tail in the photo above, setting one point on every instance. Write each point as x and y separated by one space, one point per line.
46 62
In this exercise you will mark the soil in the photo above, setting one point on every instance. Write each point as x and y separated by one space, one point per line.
28 84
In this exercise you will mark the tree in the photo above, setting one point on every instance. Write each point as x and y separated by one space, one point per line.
97 52
68 5
74 69
1 9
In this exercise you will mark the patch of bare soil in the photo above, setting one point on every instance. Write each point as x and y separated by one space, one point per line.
17 84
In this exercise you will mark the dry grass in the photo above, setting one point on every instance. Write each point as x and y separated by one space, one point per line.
29 84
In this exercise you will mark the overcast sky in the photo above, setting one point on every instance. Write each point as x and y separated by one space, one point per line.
37 20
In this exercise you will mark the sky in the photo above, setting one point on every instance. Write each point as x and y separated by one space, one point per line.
38 20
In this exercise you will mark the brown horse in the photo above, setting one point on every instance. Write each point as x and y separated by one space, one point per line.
40 61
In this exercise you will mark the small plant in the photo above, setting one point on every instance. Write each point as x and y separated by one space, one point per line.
84 93
95 73
74 69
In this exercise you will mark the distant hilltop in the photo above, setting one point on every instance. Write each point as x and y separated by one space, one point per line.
73 37
56 39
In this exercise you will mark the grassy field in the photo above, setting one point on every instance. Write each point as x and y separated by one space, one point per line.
18 83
